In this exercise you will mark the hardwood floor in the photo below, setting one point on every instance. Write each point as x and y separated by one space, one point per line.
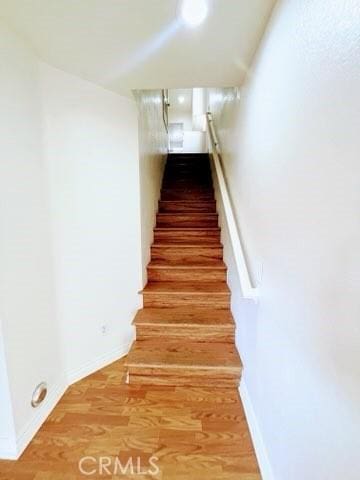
196 433
185 334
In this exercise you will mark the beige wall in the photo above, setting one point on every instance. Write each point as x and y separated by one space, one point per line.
291 157
153 151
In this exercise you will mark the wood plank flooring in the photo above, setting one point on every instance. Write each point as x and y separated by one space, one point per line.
196 433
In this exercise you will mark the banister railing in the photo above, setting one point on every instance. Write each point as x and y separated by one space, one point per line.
248 290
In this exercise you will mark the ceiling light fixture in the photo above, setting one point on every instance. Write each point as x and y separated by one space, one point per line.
193 12
181 99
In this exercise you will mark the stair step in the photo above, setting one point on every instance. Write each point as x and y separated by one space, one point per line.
187 219
184 253
189 324
178 363
193 174
188 175
177 294
187 235
193 195
179 271
197 189
186 180
185 206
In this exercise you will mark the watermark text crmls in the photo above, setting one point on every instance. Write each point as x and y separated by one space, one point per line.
113 466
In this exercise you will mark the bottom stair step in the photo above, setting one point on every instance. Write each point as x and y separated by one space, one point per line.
178 363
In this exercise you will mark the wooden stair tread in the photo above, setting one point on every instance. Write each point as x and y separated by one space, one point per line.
194 288
220 357
185 316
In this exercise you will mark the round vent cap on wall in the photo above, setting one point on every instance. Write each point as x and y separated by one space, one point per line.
39 394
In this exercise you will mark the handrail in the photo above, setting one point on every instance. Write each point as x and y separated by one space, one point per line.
246 286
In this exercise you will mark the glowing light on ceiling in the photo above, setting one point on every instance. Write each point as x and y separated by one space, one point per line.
148 49
194 12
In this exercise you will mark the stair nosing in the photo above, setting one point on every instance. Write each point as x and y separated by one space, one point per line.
193 266
202 229
188 245
225 326
171 292
192 213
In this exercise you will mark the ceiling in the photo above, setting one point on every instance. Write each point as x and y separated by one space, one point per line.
128 44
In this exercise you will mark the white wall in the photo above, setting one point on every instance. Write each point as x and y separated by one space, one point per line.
194 142
8 448
27 295
91 146
71 226
291 156
153 150
179 116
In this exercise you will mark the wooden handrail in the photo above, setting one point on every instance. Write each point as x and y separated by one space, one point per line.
246 286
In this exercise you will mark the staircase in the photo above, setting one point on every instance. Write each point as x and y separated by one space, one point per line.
185 332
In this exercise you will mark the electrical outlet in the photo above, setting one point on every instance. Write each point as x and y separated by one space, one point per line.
104 329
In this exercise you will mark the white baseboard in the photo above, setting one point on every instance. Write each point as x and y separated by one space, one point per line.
258 442
27 433
97 363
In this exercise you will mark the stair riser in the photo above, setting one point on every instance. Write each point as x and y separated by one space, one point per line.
188 174
181 207
188 223
186 197
183 237
185 333
187 180
182 195
188 186
197 190
176 381
192 217
181 300
181 377
191 174
183 179
185 274
187 255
